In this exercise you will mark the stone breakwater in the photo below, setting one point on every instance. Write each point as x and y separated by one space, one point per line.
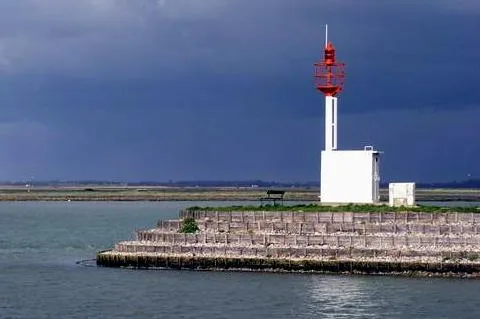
353 242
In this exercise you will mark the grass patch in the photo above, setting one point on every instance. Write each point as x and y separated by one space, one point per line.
340 208
189 226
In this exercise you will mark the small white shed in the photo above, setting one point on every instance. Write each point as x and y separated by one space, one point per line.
401 194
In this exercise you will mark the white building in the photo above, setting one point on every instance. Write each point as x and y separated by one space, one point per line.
350 176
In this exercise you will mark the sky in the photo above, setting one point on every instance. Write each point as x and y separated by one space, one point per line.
158 90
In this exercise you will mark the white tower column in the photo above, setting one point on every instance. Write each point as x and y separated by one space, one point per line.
330 123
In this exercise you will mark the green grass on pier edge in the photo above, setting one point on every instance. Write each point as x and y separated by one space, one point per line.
340 208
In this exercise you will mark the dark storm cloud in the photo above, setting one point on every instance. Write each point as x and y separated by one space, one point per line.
215 89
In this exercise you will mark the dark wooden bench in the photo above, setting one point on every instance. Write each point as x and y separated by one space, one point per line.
273 196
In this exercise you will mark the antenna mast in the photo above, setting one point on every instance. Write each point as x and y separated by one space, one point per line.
326 35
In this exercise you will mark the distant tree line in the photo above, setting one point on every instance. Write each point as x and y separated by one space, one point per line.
471 183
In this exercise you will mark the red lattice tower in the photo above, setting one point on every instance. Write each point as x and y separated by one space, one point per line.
329 74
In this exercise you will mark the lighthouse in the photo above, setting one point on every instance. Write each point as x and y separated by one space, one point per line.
346 176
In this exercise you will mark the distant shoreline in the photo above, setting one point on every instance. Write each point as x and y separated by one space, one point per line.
149 193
